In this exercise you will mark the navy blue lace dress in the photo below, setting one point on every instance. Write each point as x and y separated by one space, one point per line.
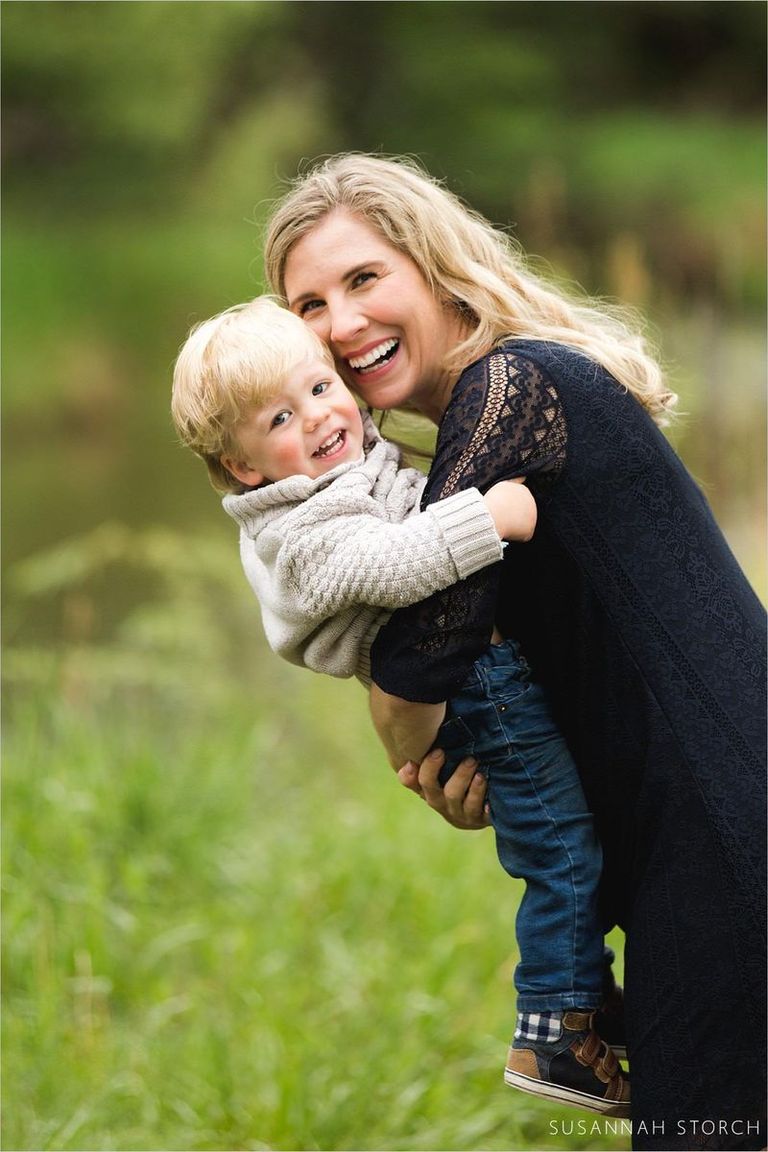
639 623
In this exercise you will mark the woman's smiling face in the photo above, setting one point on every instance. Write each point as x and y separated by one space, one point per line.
370 303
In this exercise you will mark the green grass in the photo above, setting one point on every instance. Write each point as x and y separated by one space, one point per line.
226 927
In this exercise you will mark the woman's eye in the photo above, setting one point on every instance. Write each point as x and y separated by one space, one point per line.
309 306
362 277
279 419
320 387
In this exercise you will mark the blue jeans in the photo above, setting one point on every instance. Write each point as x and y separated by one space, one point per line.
544 829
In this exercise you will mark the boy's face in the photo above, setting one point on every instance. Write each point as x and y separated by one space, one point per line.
306 429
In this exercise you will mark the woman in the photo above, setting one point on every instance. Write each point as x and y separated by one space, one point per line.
631 609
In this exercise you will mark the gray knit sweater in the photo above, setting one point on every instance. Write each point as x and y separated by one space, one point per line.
329 559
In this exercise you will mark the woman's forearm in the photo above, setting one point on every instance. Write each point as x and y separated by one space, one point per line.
406 729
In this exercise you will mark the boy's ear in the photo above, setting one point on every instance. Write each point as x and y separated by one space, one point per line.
242 471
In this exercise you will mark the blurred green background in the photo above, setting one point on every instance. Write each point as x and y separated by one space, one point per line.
225 927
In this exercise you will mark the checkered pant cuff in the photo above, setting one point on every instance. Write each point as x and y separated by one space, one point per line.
542 1026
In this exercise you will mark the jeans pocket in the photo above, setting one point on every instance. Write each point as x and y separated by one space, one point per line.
455 736
509 684
455 739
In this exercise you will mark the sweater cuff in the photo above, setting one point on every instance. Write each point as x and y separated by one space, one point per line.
469 531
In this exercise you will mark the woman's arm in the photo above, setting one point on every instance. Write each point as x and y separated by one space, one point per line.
407 732
504 420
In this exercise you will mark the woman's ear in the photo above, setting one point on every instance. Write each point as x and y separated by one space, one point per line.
242 471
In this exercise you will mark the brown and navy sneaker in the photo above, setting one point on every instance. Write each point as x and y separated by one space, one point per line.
571 1066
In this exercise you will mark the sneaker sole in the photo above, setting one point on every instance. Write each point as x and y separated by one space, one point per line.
565 1095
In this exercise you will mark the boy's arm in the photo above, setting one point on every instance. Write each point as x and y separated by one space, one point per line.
332 561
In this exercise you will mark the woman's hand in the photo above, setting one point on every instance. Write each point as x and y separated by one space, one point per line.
407 731
461 801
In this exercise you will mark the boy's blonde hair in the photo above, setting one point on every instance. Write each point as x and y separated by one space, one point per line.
467 262
229 365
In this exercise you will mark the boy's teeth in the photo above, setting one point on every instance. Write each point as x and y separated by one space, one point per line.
328 444
374 355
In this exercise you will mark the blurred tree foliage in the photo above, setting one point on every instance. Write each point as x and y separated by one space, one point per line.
622 142
561 119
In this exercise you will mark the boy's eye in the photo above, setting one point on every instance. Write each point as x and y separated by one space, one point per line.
279 419
320 387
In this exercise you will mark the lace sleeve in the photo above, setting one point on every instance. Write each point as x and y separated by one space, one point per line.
504 420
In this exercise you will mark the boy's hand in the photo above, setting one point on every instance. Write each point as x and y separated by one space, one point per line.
512 508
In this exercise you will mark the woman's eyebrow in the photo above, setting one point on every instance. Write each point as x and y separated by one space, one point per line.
301 298
359 268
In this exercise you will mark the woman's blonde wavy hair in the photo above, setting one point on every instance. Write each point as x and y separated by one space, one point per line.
466 260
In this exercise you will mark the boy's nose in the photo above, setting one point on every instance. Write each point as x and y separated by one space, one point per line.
315 416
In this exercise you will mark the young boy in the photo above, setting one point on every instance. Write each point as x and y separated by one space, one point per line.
332 541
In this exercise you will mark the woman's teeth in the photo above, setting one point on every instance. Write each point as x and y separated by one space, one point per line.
328 445
378 354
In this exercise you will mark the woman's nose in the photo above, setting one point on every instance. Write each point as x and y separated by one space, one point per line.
346 322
